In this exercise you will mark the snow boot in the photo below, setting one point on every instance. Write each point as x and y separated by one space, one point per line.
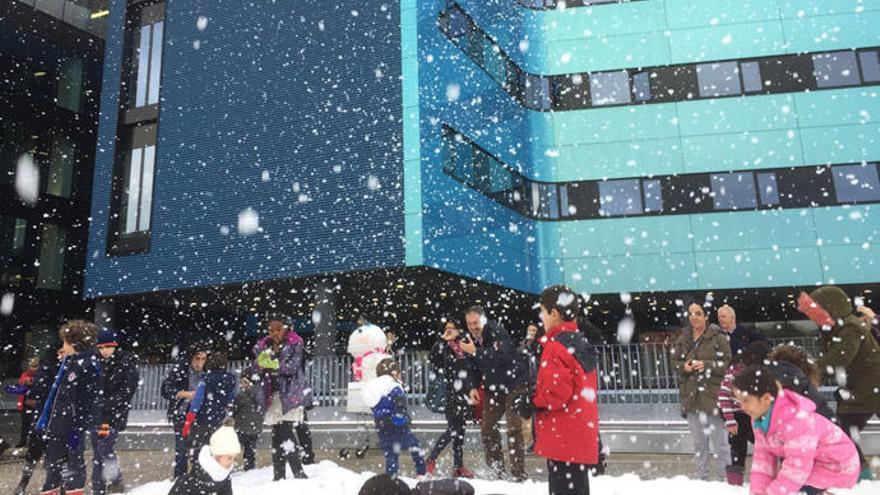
735 475
278 466
865 474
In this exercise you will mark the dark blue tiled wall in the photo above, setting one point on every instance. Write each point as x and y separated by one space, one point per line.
291 108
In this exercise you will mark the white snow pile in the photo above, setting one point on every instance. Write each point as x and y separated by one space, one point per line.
327 478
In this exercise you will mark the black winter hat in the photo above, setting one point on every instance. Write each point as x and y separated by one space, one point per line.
382 484
107 338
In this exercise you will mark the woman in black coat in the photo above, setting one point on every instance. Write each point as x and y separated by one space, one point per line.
460 375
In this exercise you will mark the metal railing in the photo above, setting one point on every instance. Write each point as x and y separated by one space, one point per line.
634 373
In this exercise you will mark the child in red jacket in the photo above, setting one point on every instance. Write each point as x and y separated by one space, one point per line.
565 398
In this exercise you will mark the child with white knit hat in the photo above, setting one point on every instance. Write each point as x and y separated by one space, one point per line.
210 474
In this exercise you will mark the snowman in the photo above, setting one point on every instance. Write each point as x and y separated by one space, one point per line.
367 347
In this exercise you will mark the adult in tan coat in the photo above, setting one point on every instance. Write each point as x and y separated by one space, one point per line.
701 354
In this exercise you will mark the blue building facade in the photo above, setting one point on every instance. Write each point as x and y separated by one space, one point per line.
288 114
654 146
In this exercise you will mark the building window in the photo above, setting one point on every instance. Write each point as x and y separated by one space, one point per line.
53 244
610 88
767 188
70 84
137 188
856 183
642 86
718 79
734 191
751 77
134 170
653 195
620 197
870 66
798 187
537 92
61 168
836 69
146 56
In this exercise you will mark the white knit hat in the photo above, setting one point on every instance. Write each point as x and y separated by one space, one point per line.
224 441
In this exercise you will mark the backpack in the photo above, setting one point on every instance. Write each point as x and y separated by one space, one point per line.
436 397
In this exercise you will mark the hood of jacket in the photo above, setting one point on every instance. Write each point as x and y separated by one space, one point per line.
833 300
292 339
213 468
786 406
373 390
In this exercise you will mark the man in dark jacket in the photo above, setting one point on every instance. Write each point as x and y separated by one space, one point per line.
71 409
504 379
179 388
211 404
740 337
119 383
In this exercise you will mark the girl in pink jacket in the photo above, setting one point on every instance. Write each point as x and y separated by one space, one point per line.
796 449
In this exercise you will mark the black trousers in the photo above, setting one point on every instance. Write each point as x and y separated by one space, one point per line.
27 418
739 443
855 422
567 478
249 449
304 435
455 431
286 450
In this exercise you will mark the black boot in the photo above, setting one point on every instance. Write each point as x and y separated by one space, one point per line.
26 472
304 435
278 465
295 460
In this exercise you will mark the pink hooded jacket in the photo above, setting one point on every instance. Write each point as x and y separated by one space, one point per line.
801 448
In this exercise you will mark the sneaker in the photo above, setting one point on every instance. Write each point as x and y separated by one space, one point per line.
432 466
463 472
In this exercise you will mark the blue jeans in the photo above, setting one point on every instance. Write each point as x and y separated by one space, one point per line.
395 439
181 450
105 463
65 467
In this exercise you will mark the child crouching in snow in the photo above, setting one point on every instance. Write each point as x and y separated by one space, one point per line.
210 472
387 400
796 449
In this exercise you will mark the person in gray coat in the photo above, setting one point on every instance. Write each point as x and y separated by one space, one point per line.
248 417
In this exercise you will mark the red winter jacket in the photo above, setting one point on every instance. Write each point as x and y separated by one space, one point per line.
567 417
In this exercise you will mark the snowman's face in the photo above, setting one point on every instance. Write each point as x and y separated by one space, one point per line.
365 339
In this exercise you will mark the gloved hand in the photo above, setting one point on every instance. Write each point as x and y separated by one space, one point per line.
398 420
266 361
74 439
16 389
103 431
187 423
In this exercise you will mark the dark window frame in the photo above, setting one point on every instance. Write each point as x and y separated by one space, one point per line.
779 74
680 194
131 121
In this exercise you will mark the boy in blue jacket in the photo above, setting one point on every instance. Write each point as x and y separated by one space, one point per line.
211 404
70 410
387 400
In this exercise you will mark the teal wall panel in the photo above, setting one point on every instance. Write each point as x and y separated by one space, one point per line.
759 268
630 273
746 230
742 151
850 264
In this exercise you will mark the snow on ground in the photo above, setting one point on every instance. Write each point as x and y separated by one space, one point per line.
327 478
